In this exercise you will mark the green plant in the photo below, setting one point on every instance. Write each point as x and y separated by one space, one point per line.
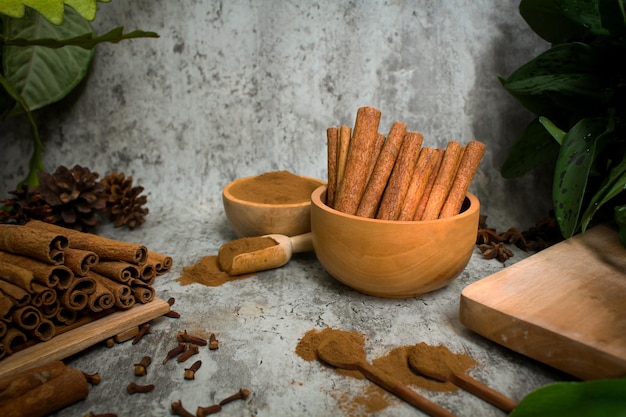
577 90
46 51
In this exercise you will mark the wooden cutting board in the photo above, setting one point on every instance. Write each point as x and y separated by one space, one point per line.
564 306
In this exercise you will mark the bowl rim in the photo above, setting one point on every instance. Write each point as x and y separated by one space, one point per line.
316 200
226 194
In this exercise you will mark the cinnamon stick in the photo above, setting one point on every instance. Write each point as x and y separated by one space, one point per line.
53 395
468 166
58 276
425 165
105 248
16 275
419 212
360 152
101 299
378 146
76 296
19 296
46 246
19 383
345 135
123 293
12 340
6 306
27 317
368 206
398 185
79 261
332 147
444 180
162 263
42 295
117 270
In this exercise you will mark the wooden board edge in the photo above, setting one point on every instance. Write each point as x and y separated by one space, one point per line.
74 341
504 330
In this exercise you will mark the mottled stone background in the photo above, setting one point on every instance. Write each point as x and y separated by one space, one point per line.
241 87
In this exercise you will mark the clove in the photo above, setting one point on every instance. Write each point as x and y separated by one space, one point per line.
186 337
192 350
93 379
143 330
242 394
205 411
172 314
141 368
110 342
179 410
190 373
214 344
134 388
175 352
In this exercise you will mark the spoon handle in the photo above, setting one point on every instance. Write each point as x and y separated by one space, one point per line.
394 386
483 392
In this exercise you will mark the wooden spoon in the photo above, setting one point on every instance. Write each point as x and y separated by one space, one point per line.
270 257
352 356
441 371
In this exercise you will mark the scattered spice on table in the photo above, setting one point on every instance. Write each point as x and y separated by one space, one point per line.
395 362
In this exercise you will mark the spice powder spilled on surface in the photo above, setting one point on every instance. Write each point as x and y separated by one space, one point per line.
395 362
278 187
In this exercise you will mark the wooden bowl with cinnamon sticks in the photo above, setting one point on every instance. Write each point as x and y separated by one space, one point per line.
276 202
395 218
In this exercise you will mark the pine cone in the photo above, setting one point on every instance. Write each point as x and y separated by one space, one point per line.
26 205
75 196
123 202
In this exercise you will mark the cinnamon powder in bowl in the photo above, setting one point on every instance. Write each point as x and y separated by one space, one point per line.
274 202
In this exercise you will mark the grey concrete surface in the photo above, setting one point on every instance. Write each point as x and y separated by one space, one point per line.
238 88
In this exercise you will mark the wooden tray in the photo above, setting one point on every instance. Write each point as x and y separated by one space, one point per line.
74 341
564 306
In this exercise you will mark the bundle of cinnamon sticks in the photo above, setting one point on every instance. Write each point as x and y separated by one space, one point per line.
394 177
53 279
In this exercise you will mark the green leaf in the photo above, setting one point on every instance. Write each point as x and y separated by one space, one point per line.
43 75
613 16
613 185
597 398
548 20
571 173
586 13
572 77
85 41
52 10
556 133
535 147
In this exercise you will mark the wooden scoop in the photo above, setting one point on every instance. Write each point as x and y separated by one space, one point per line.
441 371
269 257
352 356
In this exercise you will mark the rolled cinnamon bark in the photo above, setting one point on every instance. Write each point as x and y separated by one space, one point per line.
45 245
42 295
419 212
66 316
6 306
370 201
16 385
45 330
53 395
104 247
3 329
16 275
76 296
345 135
360 153
468 166
13 340
119 271
58 276
147 274
444 180
123 293
398 185
332 148
101 299
142 292
18 296
419 180
378 147
162 263
49 311
79 261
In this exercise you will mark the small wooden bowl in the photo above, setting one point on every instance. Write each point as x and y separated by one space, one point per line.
256 219
393 259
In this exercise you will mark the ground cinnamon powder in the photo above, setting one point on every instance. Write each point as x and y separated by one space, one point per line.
395 362
277 187
207 272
